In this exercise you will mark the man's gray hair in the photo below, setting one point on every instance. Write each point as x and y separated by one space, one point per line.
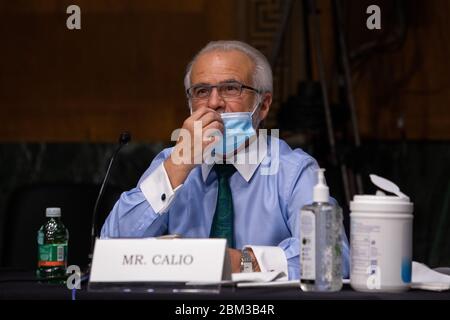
262 76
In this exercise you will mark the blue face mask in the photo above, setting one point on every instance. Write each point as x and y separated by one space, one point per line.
238 127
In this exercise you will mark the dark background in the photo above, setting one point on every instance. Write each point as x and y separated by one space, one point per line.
65 96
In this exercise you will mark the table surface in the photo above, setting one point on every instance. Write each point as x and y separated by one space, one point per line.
23 285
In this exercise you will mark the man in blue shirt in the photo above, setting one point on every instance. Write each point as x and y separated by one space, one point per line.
256 204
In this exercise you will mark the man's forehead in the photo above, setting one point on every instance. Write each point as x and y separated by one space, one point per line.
231 64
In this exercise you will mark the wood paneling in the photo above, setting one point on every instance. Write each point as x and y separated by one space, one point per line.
122 71
409 81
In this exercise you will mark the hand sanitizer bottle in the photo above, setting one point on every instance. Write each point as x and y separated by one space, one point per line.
320 242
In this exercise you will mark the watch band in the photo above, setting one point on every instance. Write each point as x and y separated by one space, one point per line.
246 261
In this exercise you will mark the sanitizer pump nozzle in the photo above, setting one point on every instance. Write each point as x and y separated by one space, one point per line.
321 191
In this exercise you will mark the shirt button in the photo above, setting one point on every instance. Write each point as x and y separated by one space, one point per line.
163 197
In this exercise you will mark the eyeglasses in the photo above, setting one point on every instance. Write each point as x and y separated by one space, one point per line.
225 89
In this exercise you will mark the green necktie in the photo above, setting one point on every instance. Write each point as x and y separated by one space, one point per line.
222 226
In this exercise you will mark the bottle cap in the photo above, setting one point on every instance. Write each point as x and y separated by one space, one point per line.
53 212
321 192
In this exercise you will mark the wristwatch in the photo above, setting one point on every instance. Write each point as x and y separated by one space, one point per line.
246 261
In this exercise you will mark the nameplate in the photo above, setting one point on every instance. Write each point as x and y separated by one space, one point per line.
159 260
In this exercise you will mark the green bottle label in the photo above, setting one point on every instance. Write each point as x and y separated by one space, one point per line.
52 255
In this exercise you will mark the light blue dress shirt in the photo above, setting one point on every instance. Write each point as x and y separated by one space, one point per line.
266 207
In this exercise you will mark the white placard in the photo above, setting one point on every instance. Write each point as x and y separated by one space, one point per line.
159 260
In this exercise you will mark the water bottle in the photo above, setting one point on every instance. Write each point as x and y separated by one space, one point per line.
52 241
321 242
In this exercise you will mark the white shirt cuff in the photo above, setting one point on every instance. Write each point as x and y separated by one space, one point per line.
158 191
270 259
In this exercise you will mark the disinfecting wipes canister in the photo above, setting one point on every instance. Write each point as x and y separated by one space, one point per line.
381 243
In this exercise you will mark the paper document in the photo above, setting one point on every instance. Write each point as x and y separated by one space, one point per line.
259 276
428 279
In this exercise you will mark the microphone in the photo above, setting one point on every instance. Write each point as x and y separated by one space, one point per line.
124 138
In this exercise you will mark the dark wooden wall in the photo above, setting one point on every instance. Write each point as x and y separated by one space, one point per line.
410 81
124 69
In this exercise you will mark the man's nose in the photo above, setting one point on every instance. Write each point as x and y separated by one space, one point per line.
215 101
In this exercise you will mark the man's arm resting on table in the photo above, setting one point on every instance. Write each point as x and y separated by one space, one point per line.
235 258
264 259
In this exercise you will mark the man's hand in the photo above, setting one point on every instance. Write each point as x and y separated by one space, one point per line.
235 258
209 121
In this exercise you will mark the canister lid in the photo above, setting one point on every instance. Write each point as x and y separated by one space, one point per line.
380 204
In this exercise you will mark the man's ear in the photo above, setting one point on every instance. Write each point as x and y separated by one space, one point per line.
265 106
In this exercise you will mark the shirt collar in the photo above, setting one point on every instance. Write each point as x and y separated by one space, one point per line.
247 160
